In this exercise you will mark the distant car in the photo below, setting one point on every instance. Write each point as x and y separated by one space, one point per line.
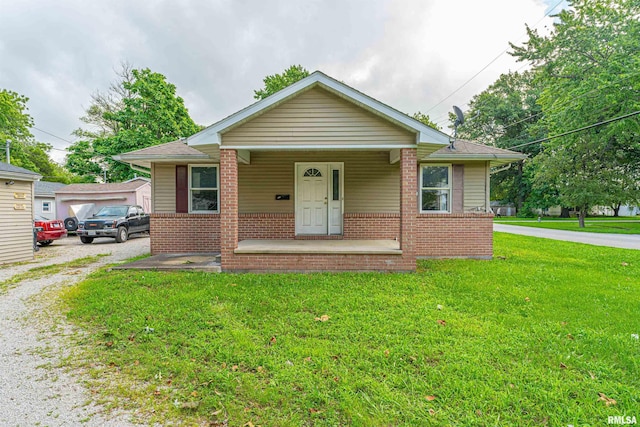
118 222
48 230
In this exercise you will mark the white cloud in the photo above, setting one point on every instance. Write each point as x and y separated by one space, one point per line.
409 54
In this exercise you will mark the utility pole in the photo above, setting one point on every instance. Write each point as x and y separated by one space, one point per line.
8 152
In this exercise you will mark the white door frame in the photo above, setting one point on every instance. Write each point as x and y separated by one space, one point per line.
330 167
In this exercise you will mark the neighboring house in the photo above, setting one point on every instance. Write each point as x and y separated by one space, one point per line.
45 198
136 191
320 177
16 213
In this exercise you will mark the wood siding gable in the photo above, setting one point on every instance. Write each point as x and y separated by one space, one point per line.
317 118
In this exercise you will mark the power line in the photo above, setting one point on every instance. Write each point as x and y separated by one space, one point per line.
490 62
604 122
55 136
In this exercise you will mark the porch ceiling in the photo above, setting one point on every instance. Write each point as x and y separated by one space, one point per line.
352 247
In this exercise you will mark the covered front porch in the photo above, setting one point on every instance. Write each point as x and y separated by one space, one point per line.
249 246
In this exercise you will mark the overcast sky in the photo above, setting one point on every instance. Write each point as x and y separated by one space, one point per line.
409 54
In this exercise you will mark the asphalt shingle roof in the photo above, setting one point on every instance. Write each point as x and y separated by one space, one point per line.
131 185
45 188
6 167
462 146
175 148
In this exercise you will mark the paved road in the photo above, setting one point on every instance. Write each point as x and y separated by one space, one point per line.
626 241
34 336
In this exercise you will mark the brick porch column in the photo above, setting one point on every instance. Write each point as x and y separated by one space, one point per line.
408 206
228 206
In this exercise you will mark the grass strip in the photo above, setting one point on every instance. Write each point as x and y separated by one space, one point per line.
47 270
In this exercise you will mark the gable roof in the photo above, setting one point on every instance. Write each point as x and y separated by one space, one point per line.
45 188
424 133
8 171
467 150
110 187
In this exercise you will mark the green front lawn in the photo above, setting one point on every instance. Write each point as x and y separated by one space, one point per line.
593 225
530 338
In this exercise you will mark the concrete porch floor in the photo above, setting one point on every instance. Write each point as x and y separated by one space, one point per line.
209 262
357 247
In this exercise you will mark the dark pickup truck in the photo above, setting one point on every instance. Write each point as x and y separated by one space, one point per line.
117 222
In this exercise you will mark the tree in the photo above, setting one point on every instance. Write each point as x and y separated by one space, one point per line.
421 117
14 119
504 115
588 66
276 82
25 151
140 110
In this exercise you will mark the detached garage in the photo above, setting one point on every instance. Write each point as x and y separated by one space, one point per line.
16 213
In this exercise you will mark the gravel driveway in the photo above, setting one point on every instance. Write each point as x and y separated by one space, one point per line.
33 389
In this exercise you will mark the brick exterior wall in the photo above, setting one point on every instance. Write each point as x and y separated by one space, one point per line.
371 226
228 207
408 206
174 233
468 235
266 226
438 235
283 226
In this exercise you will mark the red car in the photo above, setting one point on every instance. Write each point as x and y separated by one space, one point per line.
52 229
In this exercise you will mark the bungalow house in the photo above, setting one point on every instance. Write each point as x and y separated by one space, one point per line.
16 213
320 177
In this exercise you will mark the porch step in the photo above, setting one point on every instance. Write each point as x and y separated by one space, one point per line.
353 247
209 262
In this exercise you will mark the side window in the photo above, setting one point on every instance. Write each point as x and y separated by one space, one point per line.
203 188
132 211
435 188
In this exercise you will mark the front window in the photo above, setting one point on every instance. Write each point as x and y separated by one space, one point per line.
46 206
435 186
203 188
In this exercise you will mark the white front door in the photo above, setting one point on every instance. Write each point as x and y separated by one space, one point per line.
311 198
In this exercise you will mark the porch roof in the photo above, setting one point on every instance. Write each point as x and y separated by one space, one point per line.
170 152
467 150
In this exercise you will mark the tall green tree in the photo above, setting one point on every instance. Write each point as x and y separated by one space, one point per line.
25 151
589 68
504 115
276 82
140 110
